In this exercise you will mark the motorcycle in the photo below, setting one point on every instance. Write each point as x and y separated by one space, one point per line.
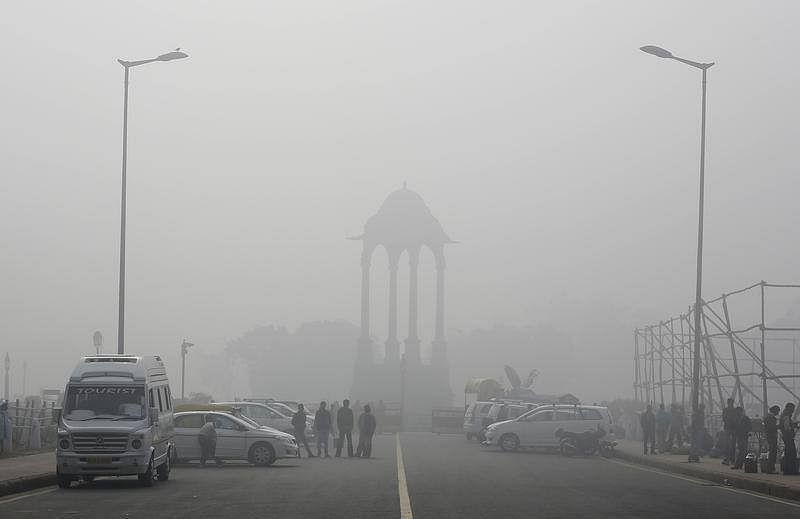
585 443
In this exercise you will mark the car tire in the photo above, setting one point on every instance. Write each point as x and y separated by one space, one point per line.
146 479
261 454
162 472
509 442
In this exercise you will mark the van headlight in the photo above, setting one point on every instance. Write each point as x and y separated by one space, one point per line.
136 444
63 444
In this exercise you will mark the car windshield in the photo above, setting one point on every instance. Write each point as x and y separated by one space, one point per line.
104 402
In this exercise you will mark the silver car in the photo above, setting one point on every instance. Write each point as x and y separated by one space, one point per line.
237 439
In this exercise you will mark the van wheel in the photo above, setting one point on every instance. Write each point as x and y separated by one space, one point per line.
162 472
146 479
64 481
509 442
261 454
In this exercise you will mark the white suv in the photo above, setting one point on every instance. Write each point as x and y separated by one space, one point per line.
537 428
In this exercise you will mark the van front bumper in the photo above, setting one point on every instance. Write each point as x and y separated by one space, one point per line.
87 464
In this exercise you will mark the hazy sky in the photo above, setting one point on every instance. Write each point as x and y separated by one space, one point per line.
561 157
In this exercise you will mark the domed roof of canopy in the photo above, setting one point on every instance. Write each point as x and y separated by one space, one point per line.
404 221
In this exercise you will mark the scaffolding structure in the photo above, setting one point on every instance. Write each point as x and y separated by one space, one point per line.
745 358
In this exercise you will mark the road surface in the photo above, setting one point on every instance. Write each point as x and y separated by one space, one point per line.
437 477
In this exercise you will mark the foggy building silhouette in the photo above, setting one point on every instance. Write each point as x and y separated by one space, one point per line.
403 224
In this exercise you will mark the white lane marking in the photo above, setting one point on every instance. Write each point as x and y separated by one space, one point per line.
402 487
27 495
708 483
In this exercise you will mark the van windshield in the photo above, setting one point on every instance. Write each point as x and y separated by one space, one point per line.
104 402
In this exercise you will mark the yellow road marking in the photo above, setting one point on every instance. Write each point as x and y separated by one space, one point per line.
27 495
402 487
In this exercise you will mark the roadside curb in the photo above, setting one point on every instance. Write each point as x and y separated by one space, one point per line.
734 480
26 483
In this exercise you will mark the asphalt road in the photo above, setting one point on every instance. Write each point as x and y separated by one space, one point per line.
446 478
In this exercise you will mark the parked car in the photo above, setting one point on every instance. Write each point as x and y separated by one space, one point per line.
237 439
271 416
537 428
513 409
474 417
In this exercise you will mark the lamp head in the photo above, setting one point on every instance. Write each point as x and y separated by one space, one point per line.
169 56
656 51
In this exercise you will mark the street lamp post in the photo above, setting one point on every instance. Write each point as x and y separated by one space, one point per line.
698 301
127 65
184 350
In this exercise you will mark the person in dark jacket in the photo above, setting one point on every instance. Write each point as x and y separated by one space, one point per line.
648 423
787 427
299 424
729 426
344 420
207 437
366 428
698 433
743 427
771 434
663 419
322 424
676 426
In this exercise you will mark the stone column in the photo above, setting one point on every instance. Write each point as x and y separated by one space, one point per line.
412 353
365 341
392 344
439 353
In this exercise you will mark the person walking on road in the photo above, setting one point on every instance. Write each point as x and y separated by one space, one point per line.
729 426
771 434
322 424
787 426
742 430
299 424
366 428
207 437
662 427
648 423
344 420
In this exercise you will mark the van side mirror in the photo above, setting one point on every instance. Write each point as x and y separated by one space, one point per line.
153 415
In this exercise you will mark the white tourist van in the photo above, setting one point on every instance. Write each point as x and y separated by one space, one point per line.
117 420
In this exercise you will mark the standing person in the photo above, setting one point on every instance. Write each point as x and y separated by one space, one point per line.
648 423
698 432
299 424
771 433
366 428
207 437
789 465
729 426
344 420
662 427
676 425
742 430
334 425
322 424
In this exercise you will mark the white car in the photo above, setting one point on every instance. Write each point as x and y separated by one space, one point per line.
270 416
237 439
537 428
